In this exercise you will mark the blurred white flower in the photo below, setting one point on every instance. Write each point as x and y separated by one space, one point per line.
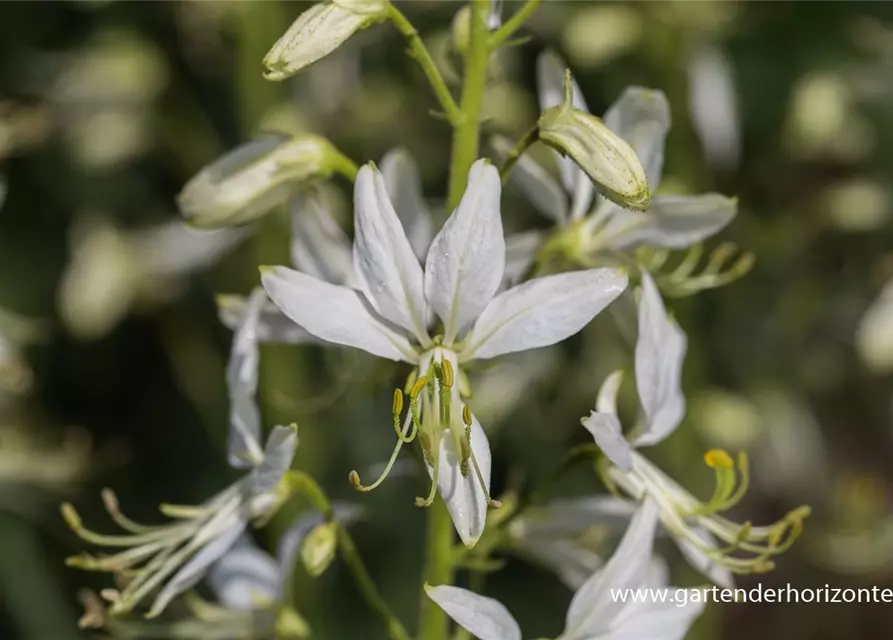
713 106
390 315
874 336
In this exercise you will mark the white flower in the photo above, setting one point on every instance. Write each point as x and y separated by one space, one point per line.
660 351
713 106
594 614
874 336
319 31
642 118
391 312
174 557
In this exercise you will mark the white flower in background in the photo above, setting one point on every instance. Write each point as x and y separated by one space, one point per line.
696 525
114 270
593 613
587 228
713 106
391 312
172 558
874 336
319 31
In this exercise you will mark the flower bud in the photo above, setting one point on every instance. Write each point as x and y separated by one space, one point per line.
290 624
605 157
253 178
319 31
318 548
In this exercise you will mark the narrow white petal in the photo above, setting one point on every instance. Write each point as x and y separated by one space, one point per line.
334 314
604 425
463 495
642 118
404 186
241 379
520 251
387 269
485 617
592 609
541 312
467 258
245 576
573 516
174 248
677 222
713 106
278 455
272 324
660 352
570 560
319 247
543 191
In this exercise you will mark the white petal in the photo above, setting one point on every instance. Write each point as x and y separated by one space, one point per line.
572 562
404 186
387 269
485 617
874 335
712 104
467 258
463 495
660 352
542 311
657 621
642 118
319 247
677 222
272 324
543 191
696 557
334 314
592 609
550 70
241 379
244 577
520 251
604 425
175 248
278 455
573 516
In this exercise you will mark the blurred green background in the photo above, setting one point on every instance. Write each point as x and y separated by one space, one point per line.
108 108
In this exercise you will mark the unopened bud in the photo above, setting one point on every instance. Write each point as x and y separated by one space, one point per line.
318 31
607 159
318 548
254 178
461 30
290 624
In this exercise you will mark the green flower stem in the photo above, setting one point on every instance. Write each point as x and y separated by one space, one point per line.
518 150
507 30
466 136
438 570
345 166
418 51
300 482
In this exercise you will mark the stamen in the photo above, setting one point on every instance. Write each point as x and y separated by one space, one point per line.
466 418
111 505
74 522
354 477
435 476
447 374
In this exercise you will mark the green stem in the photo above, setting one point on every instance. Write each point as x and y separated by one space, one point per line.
300 482
466 135
507 30
518 150
438 570
345 166
418 51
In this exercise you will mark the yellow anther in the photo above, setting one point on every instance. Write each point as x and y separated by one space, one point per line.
718 459
447 374
466 415
438 371
398 402
354 478
72 519
418 386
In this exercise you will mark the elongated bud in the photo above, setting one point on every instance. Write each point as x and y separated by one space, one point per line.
318 548
318 31
254 178
607 159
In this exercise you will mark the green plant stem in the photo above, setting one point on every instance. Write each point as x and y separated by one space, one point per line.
300 482
520 16
345 166
466 135
418 51
518 150
438 569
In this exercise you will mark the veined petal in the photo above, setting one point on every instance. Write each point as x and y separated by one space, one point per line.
467 258
542 311
677 222
278 455
241 378
485 617
245 576
543 191
404 186
592 609
520 251
660 352
334 314
642 118
388 271
272 324
463 495
319 247
604 425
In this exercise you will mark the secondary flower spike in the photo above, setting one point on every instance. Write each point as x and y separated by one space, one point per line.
392 312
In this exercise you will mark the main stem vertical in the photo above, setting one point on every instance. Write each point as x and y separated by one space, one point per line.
466 136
